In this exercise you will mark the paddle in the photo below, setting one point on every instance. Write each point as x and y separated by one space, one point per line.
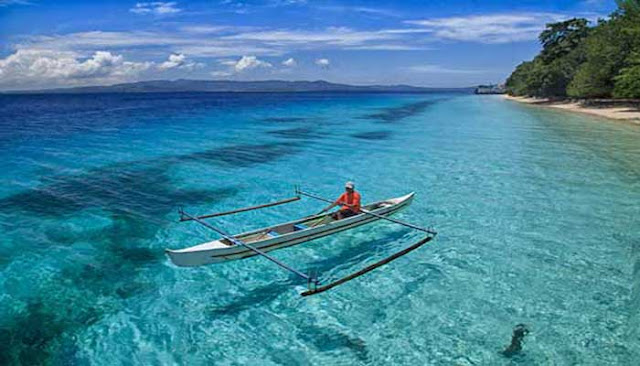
370 213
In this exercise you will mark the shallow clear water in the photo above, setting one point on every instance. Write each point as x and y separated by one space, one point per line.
537 213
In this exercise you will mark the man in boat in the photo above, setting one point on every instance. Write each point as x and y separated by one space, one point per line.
350 201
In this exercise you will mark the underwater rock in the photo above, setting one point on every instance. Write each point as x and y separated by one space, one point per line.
519 332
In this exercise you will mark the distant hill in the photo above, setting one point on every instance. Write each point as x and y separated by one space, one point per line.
182 85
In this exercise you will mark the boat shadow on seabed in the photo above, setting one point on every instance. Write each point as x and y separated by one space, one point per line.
322 338
348 257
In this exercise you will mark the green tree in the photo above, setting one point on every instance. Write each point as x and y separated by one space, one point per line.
606 50
551 71
627 84
584 62
629 6
517 83
561 38
559 73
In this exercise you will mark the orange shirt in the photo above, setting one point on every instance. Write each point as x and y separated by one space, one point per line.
352 199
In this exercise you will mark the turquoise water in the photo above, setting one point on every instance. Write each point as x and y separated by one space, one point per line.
537 213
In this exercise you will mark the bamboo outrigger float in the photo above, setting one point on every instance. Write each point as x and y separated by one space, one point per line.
261 241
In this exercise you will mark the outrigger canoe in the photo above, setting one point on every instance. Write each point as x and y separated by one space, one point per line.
261 241
283 235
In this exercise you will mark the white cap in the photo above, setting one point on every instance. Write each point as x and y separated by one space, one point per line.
349 185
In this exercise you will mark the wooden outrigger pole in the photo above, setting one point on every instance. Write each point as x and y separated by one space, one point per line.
310 279
244 209
318 289
313 284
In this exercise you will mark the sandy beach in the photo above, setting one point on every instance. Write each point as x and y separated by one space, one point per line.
618 113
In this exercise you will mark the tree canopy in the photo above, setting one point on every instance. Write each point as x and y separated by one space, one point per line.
585 62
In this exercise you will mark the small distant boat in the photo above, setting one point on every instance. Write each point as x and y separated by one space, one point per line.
262 241
282 235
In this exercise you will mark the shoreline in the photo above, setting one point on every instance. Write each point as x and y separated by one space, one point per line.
625 114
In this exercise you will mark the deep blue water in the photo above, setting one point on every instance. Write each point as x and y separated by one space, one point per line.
537 211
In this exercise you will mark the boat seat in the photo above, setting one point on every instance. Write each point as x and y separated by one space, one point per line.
273 233
298 227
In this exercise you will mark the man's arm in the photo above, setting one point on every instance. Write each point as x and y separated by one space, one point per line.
329 207
336 203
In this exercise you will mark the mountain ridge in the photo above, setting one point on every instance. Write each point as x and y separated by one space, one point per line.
195 85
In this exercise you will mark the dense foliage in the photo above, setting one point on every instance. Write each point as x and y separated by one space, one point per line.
585 62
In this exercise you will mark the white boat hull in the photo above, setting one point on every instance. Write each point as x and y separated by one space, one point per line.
219 251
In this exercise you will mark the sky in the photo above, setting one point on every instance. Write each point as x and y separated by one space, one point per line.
48 44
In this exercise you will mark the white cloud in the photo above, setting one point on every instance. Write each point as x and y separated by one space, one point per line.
224 50
157 8
221 74
379 12
230 63
489 28
439 69
332 36
4 3
245 63
243 47
45 67
211 40
215 29
290 62
323 62
100 39
175 60
275 3
205 29
389 47
179 61
249 63
180 42
197 41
